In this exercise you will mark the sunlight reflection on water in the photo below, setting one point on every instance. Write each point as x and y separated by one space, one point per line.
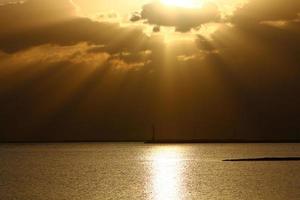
167 165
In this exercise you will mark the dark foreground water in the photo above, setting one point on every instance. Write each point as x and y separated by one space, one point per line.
138 171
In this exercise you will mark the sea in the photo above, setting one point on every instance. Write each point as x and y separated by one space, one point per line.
137 171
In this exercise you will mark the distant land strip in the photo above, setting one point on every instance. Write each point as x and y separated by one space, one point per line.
158 141
223 141
263 159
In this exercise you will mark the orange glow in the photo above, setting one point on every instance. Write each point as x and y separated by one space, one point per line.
182 3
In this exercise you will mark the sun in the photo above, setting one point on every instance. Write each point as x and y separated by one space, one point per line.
182 3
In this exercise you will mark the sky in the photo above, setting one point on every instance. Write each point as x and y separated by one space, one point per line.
109 70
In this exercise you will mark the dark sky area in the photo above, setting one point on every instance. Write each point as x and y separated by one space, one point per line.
71 72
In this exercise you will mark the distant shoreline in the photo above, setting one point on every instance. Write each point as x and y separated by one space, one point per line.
222 141
263 159
200 141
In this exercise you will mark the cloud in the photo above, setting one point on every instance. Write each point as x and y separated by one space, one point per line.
184 58
39 22
75 31
32 13
267 10
271 26
81 54
112 17
4 2
183 19
204 44
261 26
51 32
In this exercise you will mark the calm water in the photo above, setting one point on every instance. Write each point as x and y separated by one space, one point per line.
138 171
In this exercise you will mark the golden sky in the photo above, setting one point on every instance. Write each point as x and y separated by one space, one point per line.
203 64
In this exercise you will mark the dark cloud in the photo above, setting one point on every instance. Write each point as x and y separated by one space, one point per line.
135 17
183 19
282 41
156 29
32 13
204 44
267 10
36 23
75 31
